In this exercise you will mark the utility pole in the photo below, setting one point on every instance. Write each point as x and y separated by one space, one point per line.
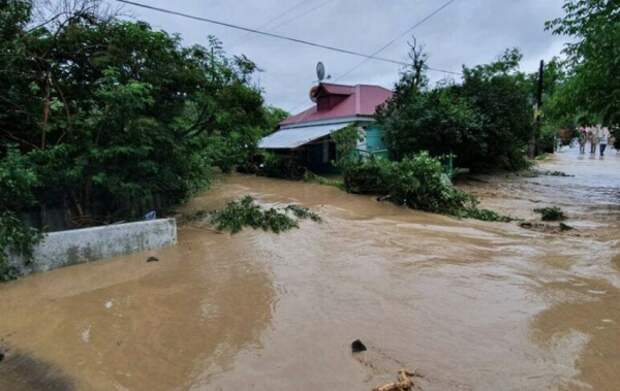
537 111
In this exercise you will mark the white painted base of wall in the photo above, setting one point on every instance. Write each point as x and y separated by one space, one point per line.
64 248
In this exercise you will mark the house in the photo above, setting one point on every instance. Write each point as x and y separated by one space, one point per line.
306 136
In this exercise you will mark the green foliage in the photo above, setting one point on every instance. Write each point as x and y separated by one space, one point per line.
274 116
485 122
17 181
484 215
593 85
281 166
117 118
368 176
418 182
15 238
437 120
309 176
551 213
303 213
346 140
502 96
547 139
245 212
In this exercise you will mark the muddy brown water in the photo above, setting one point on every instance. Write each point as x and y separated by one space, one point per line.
469 305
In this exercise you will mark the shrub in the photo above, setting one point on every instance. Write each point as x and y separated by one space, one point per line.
547 139
286 167
418 182
309 176
346 140
16 238
367 176
551 213
17 180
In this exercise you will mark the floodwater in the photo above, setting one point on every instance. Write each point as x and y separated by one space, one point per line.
468 305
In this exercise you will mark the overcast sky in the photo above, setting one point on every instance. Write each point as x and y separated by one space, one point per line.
466 32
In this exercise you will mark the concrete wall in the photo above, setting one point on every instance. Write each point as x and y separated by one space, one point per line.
64 248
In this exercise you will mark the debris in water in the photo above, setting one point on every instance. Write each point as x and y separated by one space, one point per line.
246 212
546 228
152 259
404 382
86 334
551 213
357 346
108 304
556 173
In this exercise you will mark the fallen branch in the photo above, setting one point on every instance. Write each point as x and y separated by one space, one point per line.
404 383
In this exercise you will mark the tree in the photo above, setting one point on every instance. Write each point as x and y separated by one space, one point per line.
274 116
438 121
593 56
502 96
485 121
115 118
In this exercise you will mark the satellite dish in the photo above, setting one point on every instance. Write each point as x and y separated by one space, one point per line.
320 71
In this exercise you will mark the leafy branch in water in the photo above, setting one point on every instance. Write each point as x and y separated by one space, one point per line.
246 213
551 213
484 215
303 213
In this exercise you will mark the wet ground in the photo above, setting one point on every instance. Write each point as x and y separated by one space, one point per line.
469 305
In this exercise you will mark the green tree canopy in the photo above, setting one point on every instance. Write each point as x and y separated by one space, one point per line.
116 118
485 121
593 57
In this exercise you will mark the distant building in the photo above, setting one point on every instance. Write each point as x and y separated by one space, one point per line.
306 135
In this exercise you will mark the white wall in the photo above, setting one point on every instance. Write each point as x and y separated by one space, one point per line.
63 248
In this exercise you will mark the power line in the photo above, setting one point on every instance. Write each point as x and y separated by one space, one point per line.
267 23
287 21
318 6
283 13
268 34
404 33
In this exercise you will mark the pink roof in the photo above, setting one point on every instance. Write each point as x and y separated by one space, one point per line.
362 100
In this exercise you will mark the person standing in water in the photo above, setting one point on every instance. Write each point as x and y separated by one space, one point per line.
582 137
603 139
593 138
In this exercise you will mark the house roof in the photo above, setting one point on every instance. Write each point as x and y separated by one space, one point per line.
292 138
361 100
